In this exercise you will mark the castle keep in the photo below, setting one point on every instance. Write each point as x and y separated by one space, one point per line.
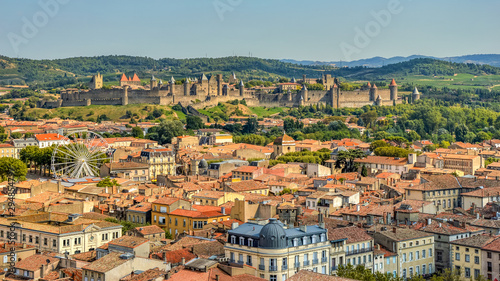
208 91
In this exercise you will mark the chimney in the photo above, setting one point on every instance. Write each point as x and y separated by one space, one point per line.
378 246
216 277
183 260
223 210
303 228
477 215
394 230
357 208
429 221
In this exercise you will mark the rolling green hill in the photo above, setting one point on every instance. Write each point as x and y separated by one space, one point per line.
74 71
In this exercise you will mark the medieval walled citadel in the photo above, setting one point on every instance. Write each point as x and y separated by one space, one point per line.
209 91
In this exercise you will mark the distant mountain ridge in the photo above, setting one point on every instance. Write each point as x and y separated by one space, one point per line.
490 59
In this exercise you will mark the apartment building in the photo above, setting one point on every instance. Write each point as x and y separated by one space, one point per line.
358 245
278 252
61 233
414 250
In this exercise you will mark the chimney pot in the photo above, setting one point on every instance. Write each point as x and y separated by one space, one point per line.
394 229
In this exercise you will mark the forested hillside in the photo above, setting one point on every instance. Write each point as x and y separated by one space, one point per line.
71 71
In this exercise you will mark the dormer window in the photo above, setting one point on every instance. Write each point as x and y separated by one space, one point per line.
304 240
242 241
250 242
323 237
233 239
295 242
314 239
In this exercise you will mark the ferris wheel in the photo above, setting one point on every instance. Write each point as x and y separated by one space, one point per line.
80 154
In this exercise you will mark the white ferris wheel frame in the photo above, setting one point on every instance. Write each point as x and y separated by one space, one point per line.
82 151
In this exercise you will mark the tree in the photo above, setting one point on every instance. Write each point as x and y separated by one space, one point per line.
378 143
392 151
107 182
364 171
12 167
29 155
368 117
194 122
345 160
251 126
460 132
137 132
164 132
16 135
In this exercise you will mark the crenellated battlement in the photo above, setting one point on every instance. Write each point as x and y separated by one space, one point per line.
208 91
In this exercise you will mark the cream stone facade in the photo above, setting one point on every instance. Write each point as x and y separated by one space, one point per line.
72 235
414 249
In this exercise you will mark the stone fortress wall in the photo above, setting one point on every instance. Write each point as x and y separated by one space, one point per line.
209 91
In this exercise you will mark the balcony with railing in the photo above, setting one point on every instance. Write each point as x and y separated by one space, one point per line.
297 264
249 263
273 268
306 263
315 261
241 262
334 268
358 251
284 267
324 259
262 267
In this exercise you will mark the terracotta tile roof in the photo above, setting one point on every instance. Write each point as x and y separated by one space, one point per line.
141 207
74 273
383 160
402 234
477 241
6 247
128 241
210 275
304 275
166 200
89 256
49 137
135 78
148 275
175 256
484 192
247 185
436 182
246 169
124 78
106 263
150 229
34 262
353 234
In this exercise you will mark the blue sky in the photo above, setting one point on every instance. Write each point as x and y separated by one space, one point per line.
322 30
